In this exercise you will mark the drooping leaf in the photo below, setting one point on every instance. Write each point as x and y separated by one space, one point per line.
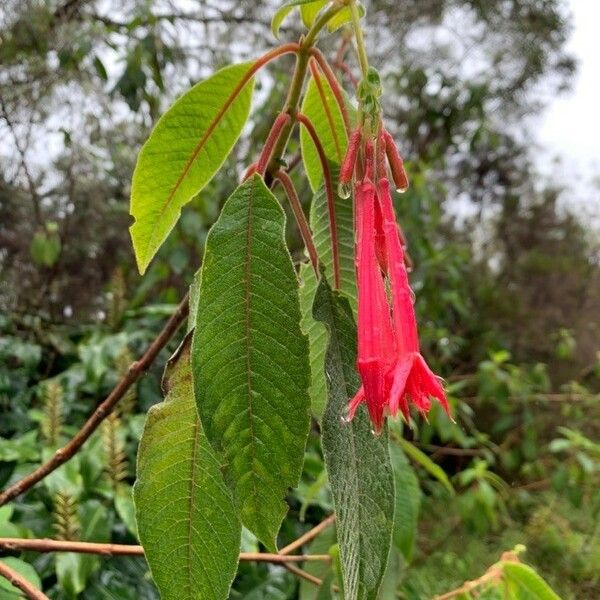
408 503
421 458
283 11
184 151
250 359
310 11
317 340
319 223
358 463
324 112
344 16
185 513
523 583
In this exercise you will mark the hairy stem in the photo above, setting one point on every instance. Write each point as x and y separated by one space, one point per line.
310 128
297 83
292 195
360 40
334 84
316 76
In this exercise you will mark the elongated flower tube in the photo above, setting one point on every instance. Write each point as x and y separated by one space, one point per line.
392 369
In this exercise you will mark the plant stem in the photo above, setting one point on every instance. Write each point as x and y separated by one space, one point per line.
308 536
360 40
19 582
297 83
44 545
292 195
334 85
329 193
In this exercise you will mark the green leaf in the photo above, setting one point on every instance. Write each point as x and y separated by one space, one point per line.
125 508
523 583
310 11
186 148
283 11
317 340
344 16
45 247
408 503
185 513
325 592
7 590
319 223
326 116
424 460
250 359
100 69
358 463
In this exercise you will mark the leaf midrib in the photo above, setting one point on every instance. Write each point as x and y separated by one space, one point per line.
191 500
198 148
248 326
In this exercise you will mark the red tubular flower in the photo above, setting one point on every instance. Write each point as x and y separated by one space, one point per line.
375 333
391 367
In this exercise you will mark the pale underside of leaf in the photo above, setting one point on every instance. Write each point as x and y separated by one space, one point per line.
250 359
358 463
186 517
187 147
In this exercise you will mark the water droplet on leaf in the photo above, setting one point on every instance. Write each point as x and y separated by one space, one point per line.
345 189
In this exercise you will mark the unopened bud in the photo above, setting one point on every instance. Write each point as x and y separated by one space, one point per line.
396 164
347 168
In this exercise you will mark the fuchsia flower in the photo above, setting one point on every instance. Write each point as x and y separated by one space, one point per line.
391 367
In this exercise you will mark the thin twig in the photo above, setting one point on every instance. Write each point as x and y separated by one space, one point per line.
35 198
18 581
296 571
308 536
62 455
44 545
303 539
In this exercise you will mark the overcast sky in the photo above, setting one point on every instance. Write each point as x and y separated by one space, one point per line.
570 126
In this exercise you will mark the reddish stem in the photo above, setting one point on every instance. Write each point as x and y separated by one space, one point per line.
310 128
344 68
314 71
334 84
249 171
280 122
303 226
19 582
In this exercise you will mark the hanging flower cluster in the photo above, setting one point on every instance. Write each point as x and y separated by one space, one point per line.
391 367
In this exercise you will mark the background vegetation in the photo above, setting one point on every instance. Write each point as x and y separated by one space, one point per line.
507 281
